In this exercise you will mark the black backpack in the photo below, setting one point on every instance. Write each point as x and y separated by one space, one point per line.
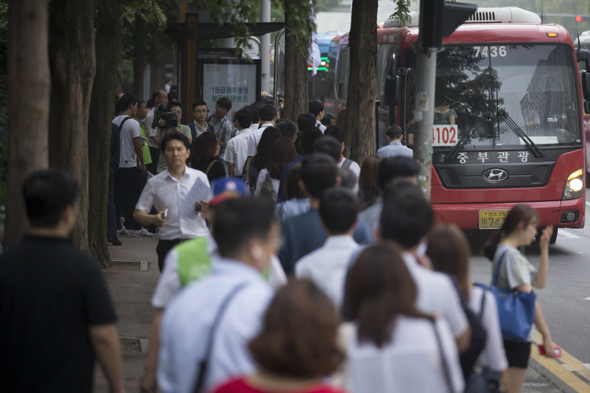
116 145
478 336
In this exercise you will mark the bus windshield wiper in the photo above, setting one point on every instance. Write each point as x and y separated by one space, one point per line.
459 146
503 115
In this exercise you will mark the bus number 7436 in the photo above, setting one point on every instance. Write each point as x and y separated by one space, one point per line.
494 51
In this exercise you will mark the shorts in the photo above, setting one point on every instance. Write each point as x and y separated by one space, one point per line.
517 353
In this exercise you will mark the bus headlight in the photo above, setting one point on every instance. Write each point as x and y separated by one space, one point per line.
574 187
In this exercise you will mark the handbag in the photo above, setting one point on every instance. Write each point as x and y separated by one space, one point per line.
482 379
516 310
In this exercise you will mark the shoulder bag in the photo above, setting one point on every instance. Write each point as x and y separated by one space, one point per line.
203 367
479 335
445 365
516 310
209 167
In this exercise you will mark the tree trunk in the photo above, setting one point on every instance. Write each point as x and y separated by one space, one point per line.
72 61
362 82
29 85
108 30
157 64
139 44
296 94
119 74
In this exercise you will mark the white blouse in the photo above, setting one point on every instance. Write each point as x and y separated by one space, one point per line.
410 362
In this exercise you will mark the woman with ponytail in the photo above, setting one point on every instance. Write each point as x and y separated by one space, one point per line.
517 273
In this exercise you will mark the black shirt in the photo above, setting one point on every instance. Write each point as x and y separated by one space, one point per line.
214 169
50 292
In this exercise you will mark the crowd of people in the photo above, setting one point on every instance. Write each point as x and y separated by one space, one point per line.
285 266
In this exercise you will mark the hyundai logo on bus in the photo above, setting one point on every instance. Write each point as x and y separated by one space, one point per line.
495 175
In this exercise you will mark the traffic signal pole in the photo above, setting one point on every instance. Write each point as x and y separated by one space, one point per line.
438 19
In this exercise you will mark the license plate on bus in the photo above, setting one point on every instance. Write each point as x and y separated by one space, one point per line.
491 219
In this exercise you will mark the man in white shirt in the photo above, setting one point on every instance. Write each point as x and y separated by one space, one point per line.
166 192
339 133
327 266
225 307
316 108
268 117
406 219
131 166
394 148
236 152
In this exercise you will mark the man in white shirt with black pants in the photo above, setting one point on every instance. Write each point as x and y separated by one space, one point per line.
131 166
166 191
226 307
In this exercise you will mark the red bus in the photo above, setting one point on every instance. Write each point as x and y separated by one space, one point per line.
508 116
583 42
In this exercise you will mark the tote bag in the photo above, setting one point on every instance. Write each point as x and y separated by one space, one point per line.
515 309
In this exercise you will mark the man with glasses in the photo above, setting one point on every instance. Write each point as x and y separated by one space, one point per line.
199 125
174 107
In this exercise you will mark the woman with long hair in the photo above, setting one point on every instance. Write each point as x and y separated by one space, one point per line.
297 347
369 181
449 252
392 346
283 152
262 157
516 273
297 199
204 156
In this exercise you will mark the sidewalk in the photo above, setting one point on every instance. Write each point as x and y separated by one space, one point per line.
132 281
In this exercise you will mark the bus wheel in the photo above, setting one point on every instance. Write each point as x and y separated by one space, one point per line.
553 236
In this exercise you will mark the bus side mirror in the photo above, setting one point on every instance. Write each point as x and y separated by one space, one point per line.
586 85
582 55
391 96
583 58
587 107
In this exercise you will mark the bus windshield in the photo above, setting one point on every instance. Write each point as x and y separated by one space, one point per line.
502 96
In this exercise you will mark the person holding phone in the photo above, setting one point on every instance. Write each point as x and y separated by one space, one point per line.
165 191
517 273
